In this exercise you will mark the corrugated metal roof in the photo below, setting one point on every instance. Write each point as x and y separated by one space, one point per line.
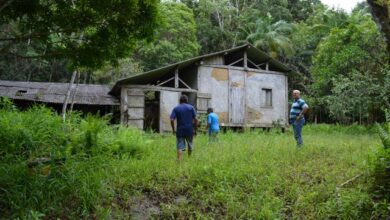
55 92
253 53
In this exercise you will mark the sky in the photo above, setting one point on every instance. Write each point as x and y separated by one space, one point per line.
347 5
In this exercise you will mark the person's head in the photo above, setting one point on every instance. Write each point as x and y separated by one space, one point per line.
183 99
209 110
296 94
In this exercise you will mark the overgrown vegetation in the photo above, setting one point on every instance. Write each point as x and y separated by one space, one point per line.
87 169
59 169
381 187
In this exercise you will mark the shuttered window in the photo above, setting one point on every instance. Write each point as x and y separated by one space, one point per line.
267 97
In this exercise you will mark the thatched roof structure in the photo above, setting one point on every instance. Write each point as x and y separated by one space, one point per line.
55 92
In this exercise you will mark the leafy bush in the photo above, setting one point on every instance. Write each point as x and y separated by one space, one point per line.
37 132
43 167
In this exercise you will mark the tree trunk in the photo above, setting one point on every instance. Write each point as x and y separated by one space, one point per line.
75 91
67 95
380 11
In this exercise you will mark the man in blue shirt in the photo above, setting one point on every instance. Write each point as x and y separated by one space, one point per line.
297 119
212 125
186 125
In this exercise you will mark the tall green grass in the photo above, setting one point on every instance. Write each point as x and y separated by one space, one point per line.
71 180
99 171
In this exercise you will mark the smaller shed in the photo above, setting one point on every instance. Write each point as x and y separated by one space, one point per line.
86 97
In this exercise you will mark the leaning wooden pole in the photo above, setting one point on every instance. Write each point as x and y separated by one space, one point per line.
66 100
75 92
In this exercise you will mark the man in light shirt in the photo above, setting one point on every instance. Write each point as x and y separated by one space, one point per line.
297 116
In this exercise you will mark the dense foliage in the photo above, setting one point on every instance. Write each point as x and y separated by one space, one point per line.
40 39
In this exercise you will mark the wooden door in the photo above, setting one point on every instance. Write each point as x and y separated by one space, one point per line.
203 102
237 97
135 109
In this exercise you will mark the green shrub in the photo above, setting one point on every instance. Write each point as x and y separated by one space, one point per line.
381 186
44 171
37 132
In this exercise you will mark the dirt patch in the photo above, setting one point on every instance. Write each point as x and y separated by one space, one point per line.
220 74
141 207
252 115
181 200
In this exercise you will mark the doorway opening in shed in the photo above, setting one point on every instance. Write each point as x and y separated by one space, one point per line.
191 98
152 111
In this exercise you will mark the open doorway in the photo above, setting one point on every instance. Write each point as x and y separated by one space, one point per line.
152 111
191 98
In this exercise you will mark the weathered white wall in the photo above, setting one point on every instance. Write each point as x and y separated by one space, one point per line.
215 82
256 112
214 60
219 82
168 100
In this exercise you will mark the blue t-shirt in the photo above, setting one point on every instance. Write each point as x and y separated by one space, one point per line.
184 113
212 119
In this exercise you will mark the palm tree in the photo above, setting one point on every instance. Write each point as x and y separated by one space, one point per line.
273 38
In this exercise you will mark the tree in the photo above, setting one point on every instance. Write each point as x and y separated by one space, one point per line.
87 33
175 38
380 10
301 10
306 38
349 62
109 74
273 38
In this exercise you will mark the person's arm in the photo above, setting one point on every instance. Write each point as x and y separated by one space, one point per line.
173 126
303 112
173 117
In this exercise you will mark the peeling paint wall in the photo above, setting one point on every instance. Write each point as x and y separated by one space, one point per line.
168 100
255 95
215 81
220 74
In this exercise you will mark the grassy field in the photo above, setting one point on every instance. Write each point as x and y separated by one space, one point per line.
255 175
119 173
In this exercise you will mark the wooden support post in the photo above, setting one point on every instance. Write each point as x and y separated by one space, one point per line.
245 60
160 84
267 66
176 78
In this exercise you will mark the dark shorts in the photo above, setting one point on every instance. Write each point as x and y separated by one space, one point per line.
181 143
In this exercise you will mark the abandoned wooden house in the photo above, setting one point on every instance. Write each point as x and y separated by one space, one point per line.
85 98
244 86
